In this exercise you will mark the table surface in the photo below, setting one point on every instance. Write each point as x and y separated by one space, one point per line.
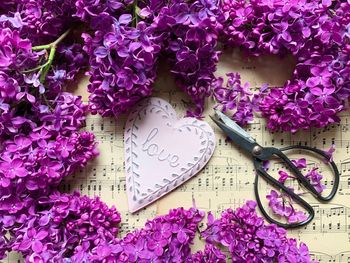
227 180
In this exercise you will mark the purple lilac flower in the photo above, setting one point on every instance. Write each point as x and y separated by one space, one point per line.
123 60
318 88
9 87
32 239
163 239
40 25
210 254
14 51
330 153
242 231
33 160
123 54
234 97
191 46
248 239
86 10
13 168
66 220
282 205
316 179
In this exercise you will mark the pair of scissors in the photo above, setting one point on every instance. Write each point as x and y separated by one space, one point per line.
261 154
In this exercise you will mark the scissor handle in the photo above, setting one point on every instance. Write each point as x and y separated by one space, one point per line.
302 178
260 171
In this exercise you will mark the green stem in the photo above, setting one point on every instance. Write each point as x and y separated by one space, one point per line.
52 46
135 14
46 68
35 48
59 40
47 102
35 69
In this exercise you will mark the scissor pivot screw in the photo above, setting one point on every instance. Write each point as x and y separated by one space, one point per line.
257 150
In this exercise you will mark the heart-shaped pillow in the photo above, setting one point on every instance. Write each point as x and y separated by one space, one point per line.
161 151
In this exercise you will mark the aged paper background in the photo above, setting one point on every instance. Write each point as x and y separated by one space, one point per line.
227 181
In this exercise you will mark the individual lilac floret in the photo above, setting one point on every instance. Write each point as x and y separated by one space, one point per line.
329 154
14 50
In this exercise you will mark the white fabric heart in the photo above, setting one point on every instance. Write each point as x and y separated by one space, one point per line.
161 151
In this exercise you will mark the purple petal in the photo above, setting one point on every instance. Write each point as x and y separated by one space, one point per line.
125 19
327 3
286 36
312 82
145 12
182 237
306 32
30 98
25 245
41 235
101 52
37 246
21 172
5 182
44 220
16 163
31 185
316 91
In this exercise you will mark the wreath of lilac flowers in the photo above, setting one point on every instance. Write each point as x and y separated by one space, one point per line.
41 143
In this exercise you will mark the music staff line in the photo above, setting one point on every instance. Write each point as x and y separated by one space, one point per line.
342 143
228 168
199 185
341 257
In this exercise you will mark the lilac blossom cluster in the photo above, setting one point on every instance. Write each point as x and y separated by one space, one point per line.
317 34
128 41
234 97
40 20
70 228
39 131
164 239
61 226
122 53
248 239
190 32
128 37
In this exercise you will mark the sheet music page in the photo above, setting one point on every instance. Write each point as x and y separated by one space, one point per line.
227 181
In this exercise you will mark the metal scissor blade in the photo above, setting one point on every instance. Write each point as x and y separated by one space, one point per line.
234 126
244 140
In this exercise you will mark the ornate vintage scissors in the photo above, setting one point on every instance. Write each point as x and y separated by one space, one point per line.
261 154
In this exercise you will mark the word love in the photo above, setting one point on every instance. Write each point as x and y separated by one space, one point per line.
153 150
161 151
